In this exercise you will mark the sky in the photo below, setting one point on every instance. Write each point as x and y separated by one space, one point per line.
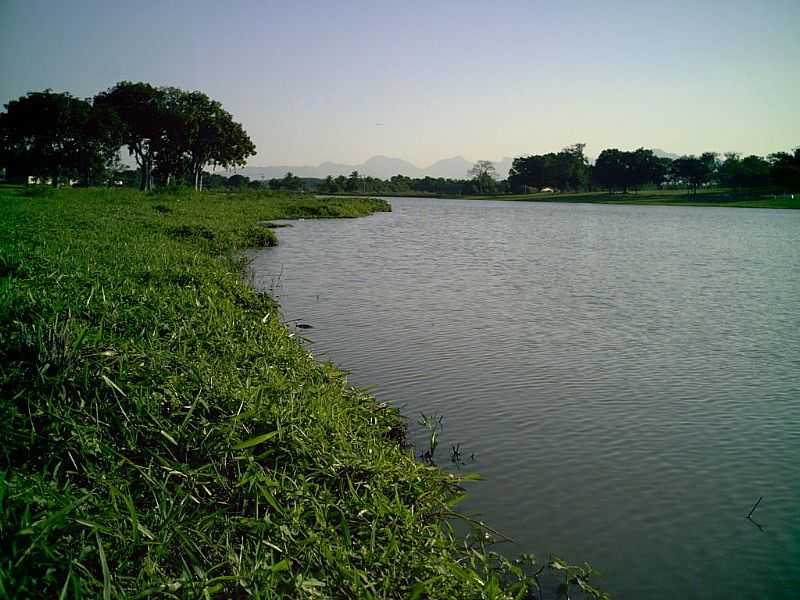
343 81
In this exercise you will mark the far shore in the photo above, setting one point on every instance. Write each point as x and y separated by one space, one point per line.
710 197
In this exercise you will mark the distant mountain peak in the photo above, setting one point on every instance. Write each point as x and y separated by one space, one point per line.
380 166
664 154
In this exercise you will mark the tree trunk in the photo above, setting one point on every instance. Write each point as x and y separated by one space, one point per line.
197 172
147 172
143 174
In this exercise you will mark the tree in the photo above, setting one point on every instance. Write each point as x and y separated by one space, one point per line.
141 109
54 135
237 181
211 134
622 170
213 180
566 170
572 168
353 182
98 148
645 168
695 171
483 174
172 132
170 150
785 169
736 172
292 182
528 172
612 170
328 186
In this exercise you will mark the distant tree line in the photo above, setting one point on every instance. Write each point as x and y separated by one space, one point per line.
484 182
622 171
569 170
173 135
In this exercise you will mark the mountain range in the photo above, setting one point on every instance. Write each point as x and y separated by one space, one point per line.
384 167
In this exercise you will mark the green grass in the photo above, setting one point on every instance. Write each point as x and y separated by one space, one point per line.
165 436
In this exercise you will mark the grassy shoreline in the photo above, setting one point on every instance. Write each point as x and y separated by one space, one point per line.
164 435
711 197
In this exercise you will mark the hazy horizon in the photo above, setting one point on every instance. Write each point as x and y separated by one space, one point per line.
315 82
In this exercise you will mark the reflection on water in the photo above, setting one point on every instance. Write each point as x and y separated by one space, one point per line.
628 378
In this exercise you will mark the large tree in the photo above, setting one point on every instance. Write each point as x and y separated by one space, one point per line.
483 175
646 168
211 136
785 169
612 170
572 168
141 109
695 171
528 172
353 183
748 172
566 170
623 170
57 136
173 133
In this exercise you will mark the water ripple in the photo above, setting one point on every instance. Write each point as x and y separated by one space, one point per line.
626 377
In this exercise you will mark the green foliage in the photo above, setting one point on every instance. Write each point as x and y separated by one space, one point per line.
483 176
142 115
565 170
164 435
695 171
748 172
56 136
620 170
175 134
785 169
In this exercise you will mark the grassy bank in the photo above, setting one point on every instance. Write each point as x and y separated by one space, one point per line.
165 436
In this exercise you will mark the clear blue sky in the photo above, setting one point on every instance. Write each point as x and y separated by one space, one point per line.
310 81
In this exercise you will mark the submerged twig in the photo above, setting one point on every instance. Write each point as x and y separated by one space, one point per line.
755 506
752 510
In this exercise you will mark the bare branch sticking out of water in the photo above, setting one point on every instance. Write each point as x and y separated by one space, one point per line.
752 510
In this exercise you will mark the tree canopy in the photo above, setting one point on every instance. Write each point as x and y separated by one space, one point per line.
622 170
695 171
56 136
177 132
483 175
171 133
177 136
565 170
785 169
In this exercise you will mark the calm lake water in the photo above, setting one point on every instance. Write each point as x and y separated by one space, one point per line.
627 377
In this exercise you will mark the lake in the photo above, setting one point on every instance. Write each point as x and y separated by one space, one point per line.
626 379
